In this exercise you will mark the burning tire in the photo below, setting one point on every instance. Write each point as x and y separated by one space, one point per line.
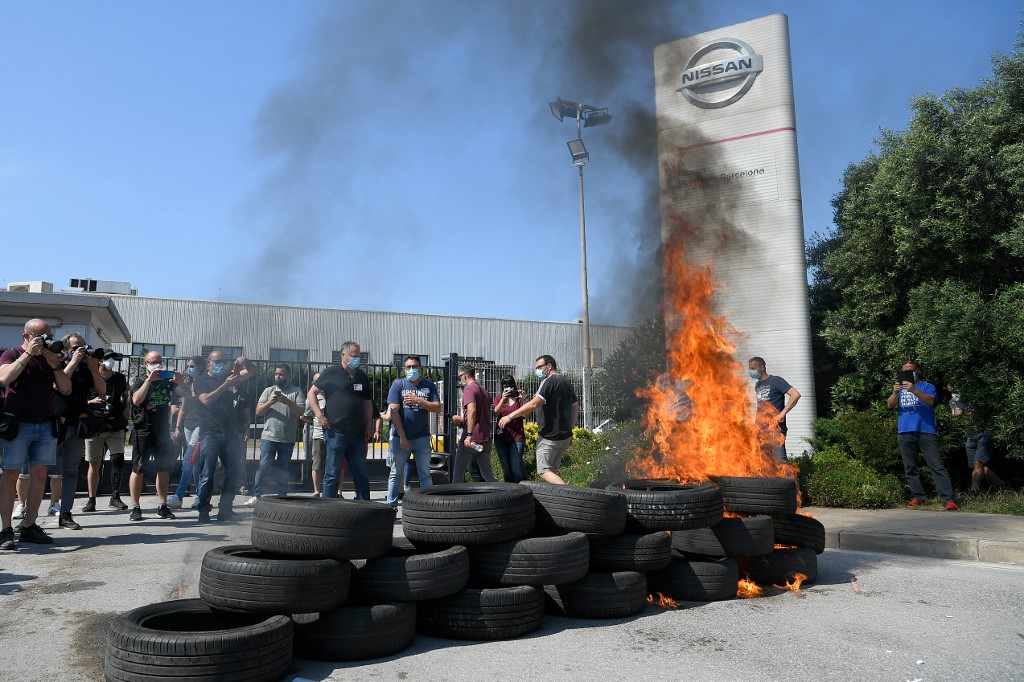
664 505
599 595
467 514
186 639
642 553
771 496
531 561
800 530
568 508
696 580
732 537
242 578
781 566
483 614
322 527
407 574
357 633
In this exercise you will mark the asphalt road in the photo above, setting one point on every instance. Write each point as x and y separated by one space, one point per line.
905 618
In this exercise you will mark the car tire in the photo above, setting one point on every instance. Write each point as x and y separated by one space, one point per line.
357 633
569 508
599 595
537 561
322 527
467 514
665 505
754 495
800 531
781 566
689 579
483 613
646 552
731 537
406 574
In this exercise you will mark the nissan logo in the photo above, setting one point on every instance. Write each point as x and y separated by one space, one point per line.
717 84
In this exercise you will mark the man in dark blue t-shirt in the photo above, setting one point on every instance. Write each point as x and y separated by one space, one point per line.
915 400
412 399
772 406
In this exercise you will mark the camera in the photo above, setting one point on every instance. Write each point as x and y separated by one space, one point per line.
51 344
96 353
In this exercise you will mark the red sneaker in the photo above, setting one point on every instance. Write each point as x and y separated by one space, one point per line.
915 502
952 506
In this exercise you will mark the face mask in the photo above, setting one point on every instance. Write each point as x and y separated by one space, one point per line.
218 368
109 363
539 373
754 373
353 363
282 383
412 374
153 366
191 371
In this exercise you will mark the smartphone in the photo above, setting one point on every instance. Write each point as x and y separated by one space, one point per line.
165 374
907 375
236 370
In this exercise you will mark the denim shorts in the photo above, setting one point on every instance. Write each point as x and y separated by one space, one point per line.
34 444
979 448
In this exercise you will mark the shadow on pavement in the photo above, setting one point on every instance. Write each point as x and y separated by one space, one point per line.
10 583
68 543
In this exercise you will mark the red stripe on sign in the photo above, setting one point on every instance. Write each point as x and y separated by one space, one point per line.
739 137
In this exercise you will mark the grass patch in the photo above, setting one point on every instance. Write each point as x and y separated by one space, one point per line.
996 502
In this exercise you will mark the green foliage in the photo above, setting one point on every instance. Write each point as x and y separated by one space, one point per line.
832 478
635 364
926 257
869 436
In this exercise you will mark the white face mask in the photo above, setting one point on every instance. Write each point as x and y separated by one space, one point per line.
153 366
754 373
109 363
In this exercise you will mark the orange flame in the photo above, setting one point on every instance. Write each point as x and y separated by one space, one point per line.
177 593
748 589
701 420
794 585
809 515
662 601
778 546
856 588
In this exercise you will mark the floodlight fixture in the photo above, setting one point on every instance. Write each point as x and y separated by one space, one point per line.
596 117
579 152
561 108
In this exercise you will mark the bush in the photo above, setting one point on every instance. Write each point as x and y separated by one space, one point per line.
835 479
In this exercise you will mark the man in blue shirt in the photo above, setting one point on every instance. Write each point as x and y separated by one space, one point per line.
772 407
411 400
915 400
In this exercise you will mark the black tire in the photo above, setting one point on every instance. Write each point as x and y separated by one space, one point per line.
568 508
647 552
357 633
243 578
771 496
535 561
800 531
322 527
599 595
406 574
696 580
483 613
781 566
665 505
734 537
467 514
187 639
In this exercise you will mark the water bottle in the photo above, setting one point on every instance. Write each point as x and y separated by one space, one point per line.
478 447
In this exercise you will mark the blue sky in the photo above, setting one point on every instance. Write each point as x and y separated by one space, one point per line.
401 155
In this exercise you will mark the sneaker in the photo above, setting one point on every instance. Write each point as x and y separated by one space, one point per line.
136 514
251 502
19 511
952 506
225 516
90 505
20 527
116 503
204 516
35 534
7 538
915 502
163 512
67 521
174 502
54 509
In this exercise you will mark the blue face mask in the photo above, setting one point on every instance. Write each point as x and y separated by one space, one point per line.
539 372
218 368
412 374
191 371
353 363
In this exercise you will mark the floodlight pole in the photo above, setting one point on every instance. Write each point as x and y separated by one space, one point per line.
588 356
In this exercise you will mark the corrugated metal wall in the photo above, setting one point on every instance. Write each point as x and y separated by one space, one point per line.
190 325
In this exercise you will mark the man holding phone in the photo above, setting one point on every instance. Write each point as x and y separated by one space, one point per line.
915 401
281 406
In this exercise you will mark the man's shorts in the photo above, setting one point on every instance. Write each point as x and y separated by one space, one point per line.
96 446
979 449
35 444
550 453
160 447
318 452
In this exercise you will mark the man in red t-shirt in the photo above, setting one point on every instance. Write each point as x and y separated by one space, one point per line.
475 441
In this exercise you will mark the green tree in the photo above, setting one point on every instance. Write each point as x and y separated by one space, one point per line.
927 256
636 363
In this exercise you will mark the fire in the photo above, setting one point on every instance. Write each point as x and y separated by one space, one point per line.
801 512
700 418
177 593
662 601
748 589
794 585
778 546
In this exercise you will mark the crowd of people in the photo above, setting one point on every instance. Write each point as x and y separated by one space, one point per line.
64 401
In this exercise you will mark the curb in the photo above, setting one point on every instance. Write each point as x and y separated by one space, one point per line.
965 549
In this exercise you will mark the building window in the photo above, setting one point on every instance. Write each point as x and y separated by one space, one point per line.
364 357
400 359
164 349
230 352
288 355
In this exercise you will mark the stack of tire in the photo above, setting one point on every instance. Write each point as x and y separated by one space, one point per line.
761 538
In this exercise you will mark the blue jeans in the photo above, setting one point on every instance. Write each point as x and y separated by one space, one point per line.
511 457
69 456
420 447
189 472
34 444
213 446
353 450
274 457
928 445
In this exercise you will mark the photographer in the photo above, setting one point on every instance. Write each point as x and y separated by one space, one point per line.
281 407
111 411
510 440
32 375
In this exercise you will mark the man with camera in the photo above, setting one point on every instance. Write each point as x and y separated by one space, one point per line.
32 374
281 407
411 400
111 410
75 425
915 401
151 414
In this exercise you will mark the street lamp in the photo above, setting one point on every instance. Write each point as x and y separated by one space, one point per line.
586 116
